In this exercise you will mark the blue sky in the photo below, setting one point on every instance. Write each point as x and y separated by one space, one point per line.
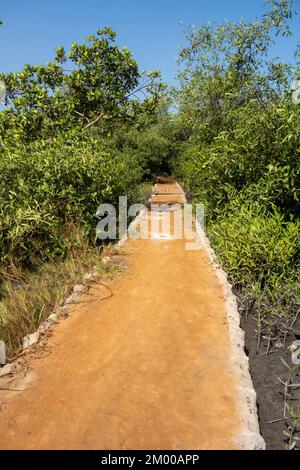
151 29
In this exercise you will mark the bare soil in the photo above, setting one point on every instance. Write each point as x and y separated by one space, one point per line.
266 371
147 368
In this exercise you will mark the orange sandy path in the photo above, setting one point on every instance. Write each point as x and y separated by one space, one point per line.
146 369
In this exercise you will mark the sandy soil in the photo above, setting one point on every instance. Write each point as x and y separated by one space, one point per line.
147 368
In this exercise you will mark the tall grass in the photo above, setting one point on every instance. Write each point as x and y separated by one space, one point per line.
30 296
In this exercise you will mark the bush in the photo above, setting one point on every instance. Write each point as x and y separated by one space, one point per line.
257 246
46 186
262 147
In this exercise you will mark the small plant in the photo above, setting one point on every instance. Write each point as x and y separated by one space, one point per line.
291 413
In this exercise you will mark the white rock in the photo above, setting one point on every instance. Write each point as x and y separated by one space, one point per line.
72 299
2 353
63 311
53 318
78 289
88 279
42 328
30 340
45 326
8 369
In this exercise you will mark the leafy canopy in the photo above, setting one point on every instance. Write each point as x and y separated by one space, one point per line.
93 82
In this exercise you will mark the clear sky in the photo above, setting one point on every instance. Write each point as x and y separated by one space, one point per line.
151 29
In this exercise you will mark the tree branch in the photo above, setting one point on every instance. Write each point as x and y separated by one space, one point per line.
81 115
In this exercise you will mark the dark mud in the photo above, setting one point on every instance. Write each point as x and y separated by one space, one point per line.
266 370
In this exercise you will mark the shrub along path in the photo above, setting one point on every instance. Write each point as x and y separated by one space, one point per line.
148 368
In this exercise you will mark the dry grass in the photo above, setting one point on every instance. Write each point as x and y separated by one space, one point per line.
28 298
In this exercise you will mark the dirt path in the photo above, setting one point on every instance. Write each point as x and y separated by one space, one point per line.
148 368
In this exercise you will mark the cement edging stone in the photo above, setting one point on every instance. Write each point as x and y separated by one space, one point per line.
249 437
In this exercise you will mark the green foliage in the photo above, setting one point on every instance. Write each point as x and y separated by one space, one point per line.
241 159
46 186
258 247
225 67
153 148
95 82
152 140
260 152
74 133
